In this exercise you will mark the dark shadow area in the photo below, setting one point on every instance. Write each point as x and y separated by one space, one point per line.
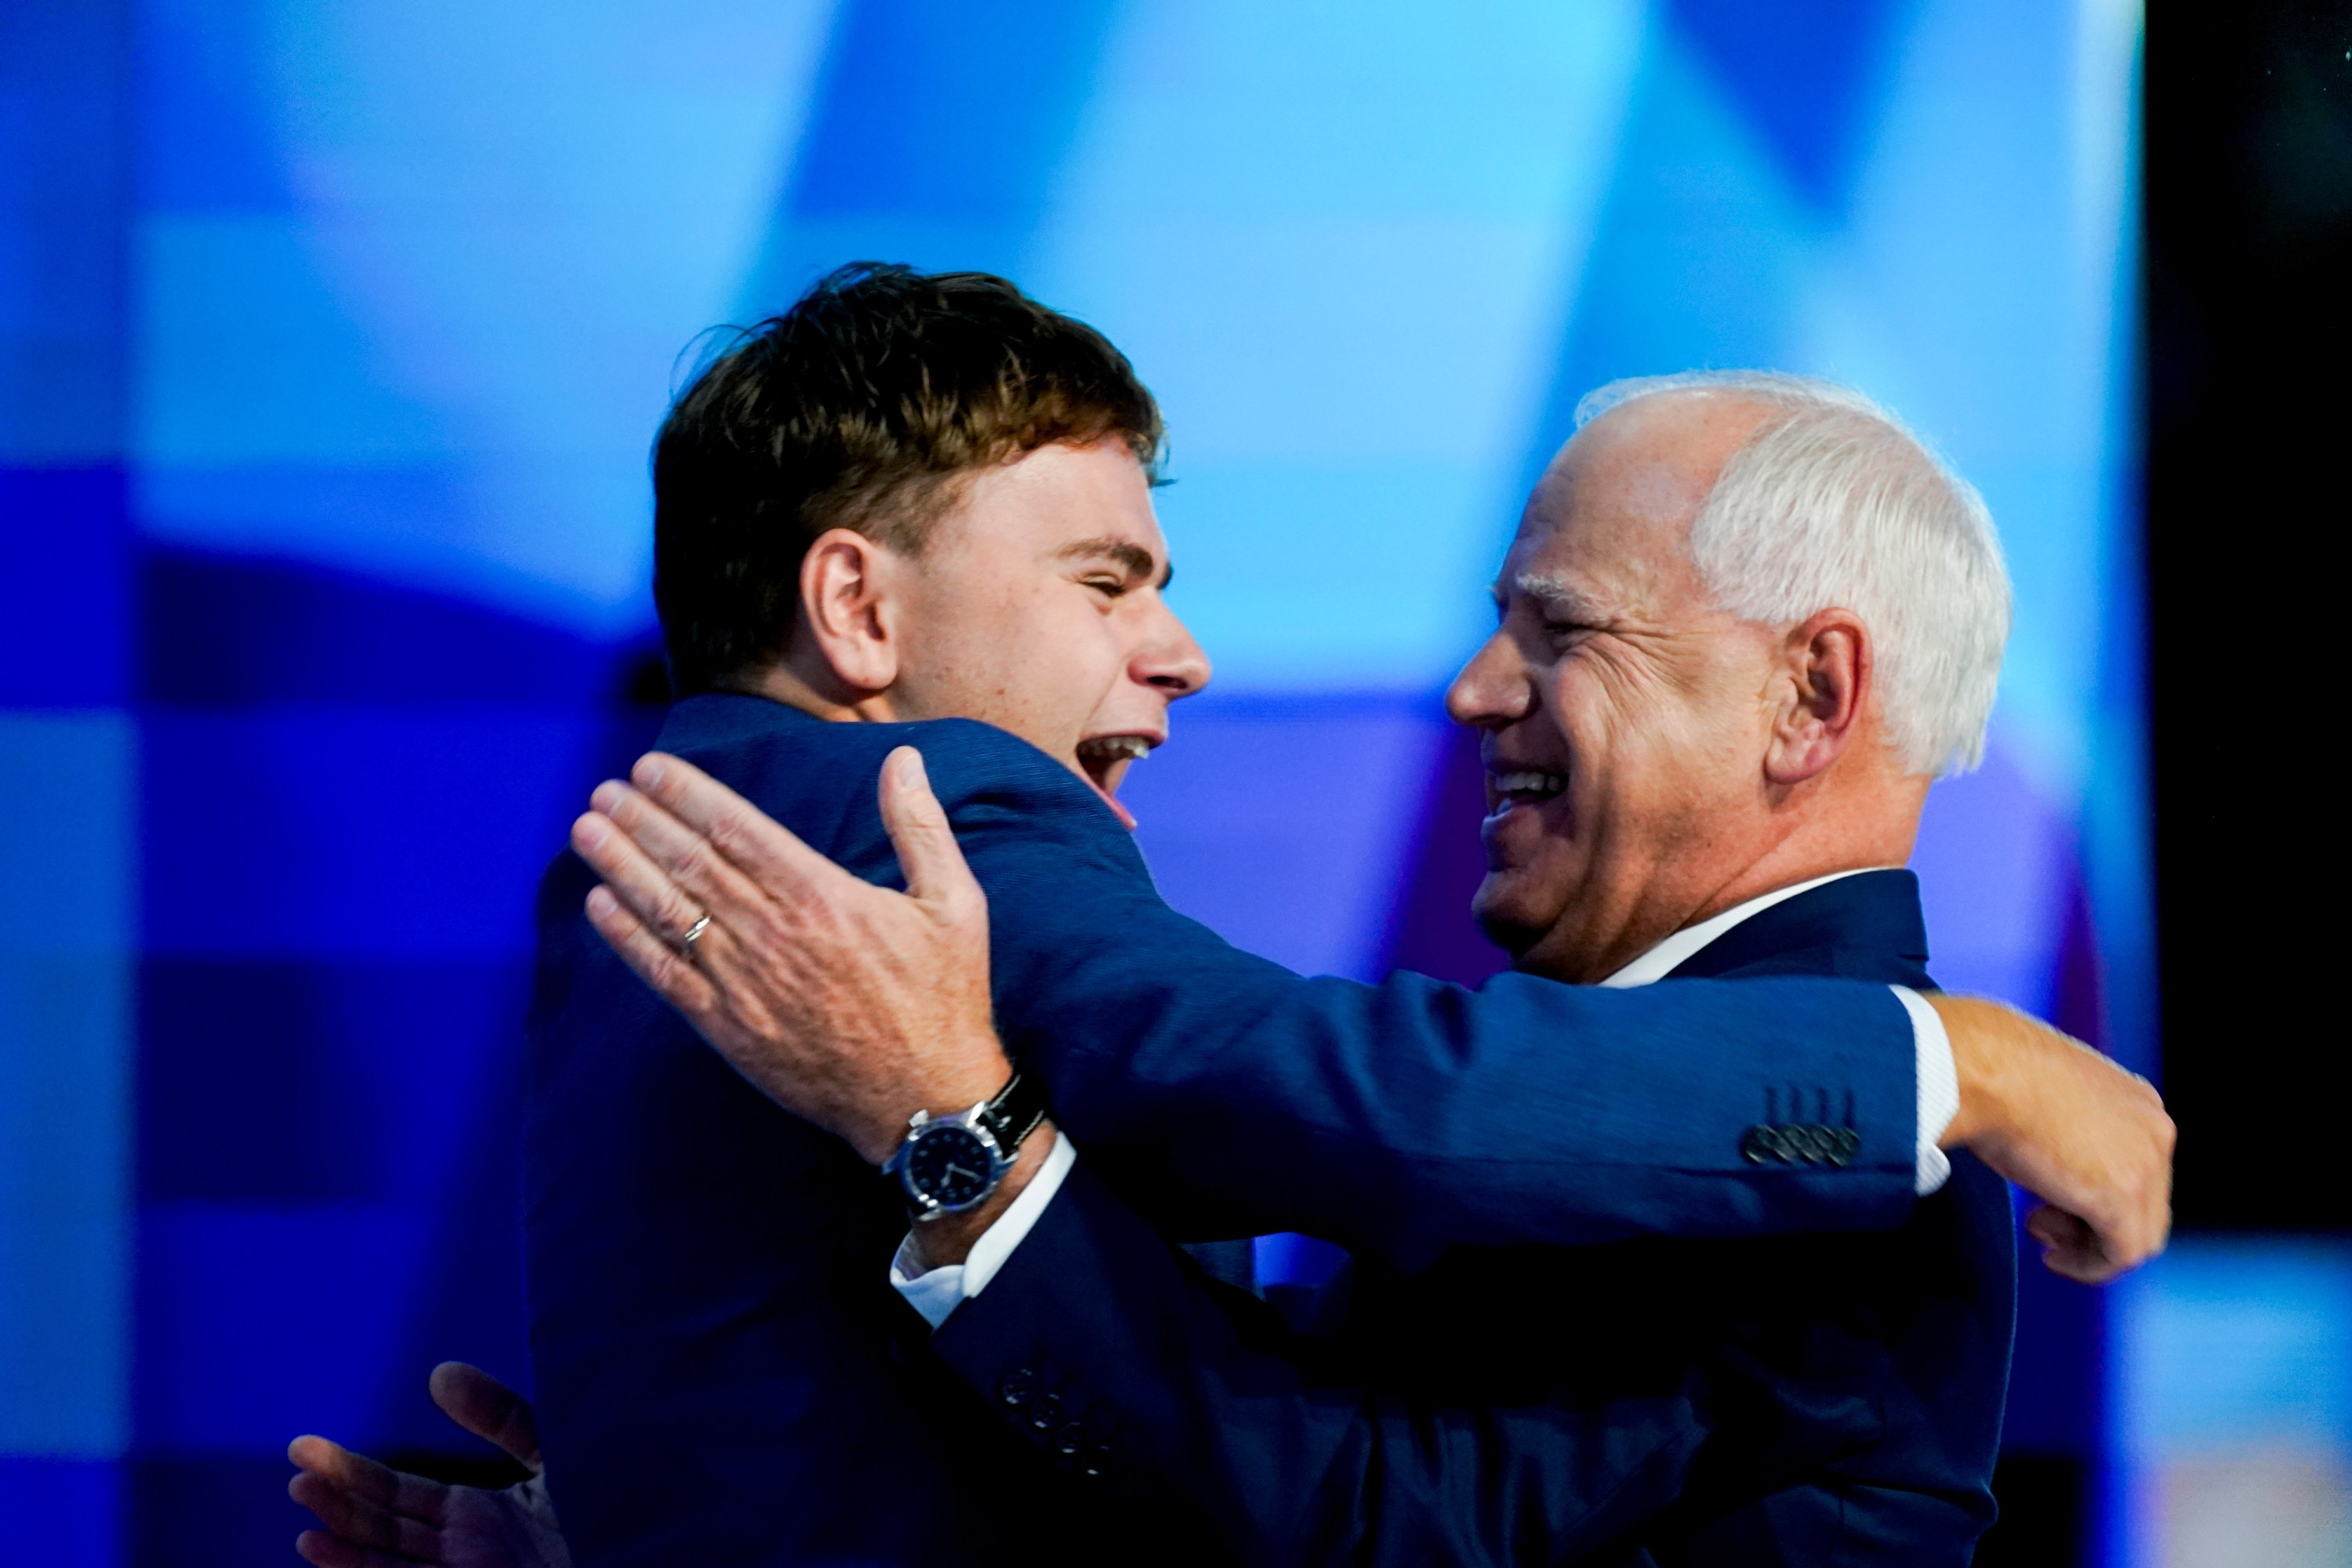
2044 1512
218 630
254 1084
2249 316
207 1511
491 1472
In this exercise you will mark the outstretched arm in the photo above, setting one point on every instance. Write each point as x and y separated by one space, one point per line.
377 1517
841 999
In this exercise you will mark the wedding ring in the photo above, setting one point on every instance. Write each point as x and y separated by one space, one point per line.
692 932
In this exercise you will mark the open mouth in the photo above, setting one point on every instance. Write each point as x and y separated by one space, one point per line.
1104 758
1103 753
1521 786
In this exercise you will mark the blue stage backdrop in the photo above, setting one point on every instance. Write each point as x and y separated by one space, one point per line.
331 338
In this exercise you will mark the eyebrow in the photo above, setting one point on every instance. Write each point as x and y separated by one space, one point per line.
1139 562
1559 595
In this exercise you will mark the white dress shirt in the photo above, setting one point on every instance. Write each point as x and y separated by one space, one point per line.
936 1292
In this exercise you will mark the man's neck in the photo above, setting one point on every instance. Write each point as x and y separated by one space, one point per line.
826 700
1862 831
1789 864
1864 821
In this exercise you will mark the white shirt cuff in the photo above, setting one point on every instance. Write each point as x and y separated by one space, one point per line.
1939 1088
936 1292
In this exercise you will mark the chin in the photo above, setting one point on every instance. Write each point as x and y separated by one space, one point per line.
1508 926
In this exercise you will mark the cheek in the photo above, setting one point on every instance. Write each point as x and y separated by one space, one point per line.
971 662
1066 661
1632 744
1591 714
1087 649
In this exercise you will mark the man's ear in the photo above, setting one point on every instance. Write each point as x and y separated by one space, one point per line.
1819 692
848 613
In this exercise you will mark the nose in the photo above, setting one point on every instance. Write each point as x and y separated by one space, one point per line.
1493 690
1167 656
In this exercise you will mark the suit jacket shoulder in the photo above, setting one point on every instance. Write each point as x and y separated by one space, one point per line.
821 780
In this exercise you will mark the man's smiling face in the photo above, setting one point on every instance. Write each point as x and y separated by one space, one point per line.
1623 713
1036 606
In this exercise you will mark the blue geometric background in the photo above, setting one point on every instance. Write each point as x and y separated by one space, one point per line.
331 341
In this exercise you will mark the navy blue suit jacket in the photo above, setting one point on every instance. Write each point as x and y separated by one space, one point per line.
1825 1399
724 1374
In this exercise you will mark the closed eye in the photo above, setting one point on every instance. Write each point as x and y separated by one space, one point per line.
1114 567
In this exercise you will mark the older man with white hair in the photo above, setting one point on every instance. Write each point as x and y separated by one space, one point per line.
1747 619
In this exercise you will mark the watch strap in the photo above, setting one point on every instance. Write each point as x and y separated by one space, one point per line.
1015 1111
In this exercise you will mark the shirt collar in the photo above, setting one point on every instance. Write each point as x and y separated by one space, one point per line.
1670 954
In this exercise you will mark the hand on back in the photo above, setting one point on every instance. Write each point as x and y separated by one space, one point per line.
2089 1139
847 1003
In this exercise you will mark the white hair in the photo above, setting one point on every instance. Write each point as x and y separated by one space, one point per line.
1835 504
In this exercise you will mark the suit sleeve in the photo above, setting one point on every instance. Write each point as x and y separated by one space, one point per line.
1224 1095
1119 1361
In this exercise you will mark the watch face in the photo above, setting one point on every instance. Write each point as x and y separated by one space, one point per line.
951 1166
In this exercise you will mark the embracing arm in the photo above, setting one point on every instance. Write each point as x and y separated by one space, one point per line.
1102 1346
1227 1093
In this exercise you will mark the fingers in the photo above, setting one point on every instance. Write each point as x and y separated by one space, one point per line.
339 1467
670 972
929 856
669 887
2115 1231
2129 1216
488 1408
746 837
2073 1128
360 1522
367 1484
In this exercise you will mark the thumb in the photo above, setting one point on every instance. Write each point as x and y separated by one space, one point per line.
488 1408
929 856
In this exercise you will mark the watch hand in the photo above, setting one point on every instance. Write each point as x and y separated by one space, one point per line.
955 1170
